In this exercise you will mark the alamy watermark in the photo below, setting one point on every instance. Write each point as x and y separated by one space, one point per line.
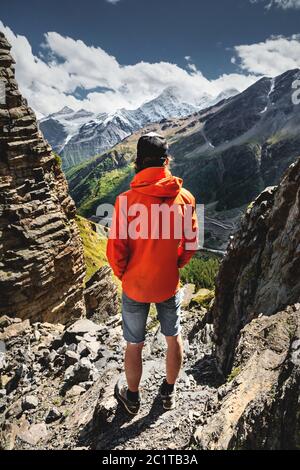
296 93
2 92
159 221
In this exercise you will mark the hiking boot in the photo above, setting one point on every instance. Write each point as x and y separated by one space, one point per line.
168 397
132 407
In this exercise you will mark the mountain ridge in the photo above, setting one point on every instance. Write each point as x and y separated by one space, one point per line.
226 154
79 135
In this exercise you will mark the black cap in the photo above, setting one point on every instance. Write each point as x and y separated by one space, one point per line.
152 150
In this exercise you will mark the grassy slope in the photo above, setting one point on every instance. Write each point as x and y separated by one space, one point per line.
107 189
101 179
94 248
93 245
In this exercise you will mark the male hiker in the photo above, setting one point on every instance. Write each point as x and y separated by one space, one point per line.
153 234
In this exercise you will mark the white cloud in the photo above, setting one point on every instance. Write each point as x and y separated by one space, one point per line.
235 80
271 57
284 4
192 67
112 1
64 65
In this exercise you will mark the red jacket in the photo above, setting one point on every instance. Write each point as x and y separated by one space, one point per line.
143 252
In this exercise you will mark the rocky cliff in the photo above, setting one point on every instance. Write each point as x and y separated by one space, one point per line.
258 406
260 274
41 265
256 317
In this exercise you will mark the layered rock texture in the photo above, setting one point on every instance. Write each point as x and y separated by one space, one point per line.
41 264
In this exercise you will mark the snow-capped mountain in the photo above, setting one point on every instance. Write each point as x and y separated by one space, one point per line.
226 154
59 127
79 135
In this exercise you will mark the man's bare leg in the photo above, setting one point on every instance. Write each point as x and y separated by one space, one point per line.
174 357
133 365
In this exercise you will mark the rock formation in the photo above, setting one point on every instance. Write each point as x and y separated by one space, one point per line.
100 294
256 318
258 407
41 264
260 273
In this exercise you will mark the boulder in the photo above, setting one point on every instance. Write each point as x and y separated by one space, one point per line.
15 329
79 328
53 415
187 294
80 372
33 434
75 391
101 295
29 402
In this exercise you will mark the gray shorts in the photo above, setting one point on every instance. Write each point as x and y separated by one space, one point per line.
135 314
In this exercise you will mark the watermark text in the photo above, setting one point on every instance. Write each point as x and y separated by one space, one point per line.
2 92
159 221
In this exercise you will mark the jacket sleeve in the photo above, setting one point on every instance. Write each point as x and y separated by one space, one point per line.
117 250
189 242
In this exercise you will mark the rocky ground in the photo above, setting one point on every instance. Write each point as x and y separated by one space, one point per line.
58 384
57 387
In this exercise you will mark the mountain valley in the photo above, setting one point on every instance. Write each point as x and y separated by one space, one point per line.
226 154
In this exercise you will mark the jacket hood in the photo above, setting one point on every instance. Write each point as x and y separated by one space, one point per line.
156 181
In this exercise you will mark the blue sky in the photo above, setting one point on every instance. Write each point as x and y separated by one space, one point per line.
205 40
